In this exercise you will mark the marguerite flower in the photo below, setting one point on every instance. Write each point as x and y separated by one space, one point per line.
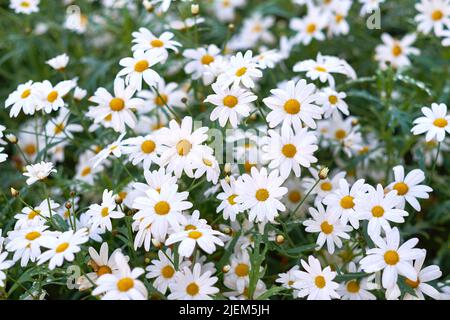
145 40
22 99
38 171
395 52
435 123
243 69
199 59
332 101
309 27
143 149
101 215
433 15
357 289
59 62
114 148
50 98
35 216
228 197
24 6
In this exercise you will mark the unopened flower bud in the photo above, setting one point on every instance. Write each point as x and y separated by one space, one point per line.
323 173
195 9
14 192
72 194
227 168
11 138
231 27
226 268
279 239
118 200
68 205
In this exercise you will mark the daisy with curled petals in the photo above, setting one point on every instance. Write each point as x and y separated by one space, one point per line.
114 148
24 6
314 282
4 265
139 68
161 209
228 197
395 52
342 201
193 285
163 270
145 40
243 69
199 59
433 15
435 123
102 264
184 146
122 285
290 153
420 286
325 186
101 215
309 27
329 227
408 188
332 101
232 103
143 149
260 193
379 208
22 99
117 109
38 171
63 247
358 289
392 258
50 98
293 106
59 62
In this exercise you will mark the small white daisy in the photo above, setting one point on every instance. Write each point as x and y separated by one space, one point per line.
101 215
22 99
59 62
435 123
228 197
38 171
243 69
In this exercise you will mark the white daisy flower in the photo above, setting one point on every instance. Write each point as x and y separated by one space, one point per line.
145 40
238 277
408 188
85 170
22 99
4 265
114 148
142 149
243 69
435 123
232 103
79 93
59 62
332 101
50 98
288 278
225 9
260 193
357 289
309 27
38 171
207 164
35 216
101 215
314 282
24 6
228 197
199 59
392 258
325 186
123 285
396 52
192 285
256 28
433 15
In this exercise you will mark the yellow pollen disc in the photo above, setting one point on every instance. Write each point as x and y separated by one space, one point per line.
363 150
190 227
437 15
377 211
340 134
241 270
320 282
33 214
125 284
353 287
292 106
141 66
52 96
391 257
105 212
117 104
226 3
161 100
321 69
108 117
25 94
123 194
59 128
311 28
396 50
339 18
62 247
207 59
332 99
86 171
103 270
148 146
402 188
440 123
289 150
207 162
162 208
230 101
257 28
192 289
248 166
241 71
411 283
33 235
290 283
231 199
30 149
295 196
262 194
326 186
183 147
326 227
156 43
25 4
167 272
194 234
347 202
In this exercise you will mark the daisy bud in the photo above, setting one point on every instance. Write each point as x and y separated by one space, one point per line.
227 230
68 205
79 94
231 27
184 100
279 239
147 260
227 167
226 268
354 122
14 192
72 194
195 9
11 138
147 5
323 173
253 116
118 200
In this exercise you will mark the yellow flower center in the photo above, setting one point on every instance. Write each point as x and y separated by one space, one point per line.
437 15
231 199
167 272
117 104
353 287
321 69
248 166
156 43
62 247
347 202
162 208
289 150
397 50
339 18
108 117
25 4
207 59
440 123
148 146
33 235
161 100
105 212
190 227
207 162
103 270
332 99
391 257
192 289
411 283
402 188
262 194
125 284
230 101
311 28
340 134
30 149
377 211
326 227
141 66
59 128
183 147
33 214
85 171
320 282
292 106
52 96
295 196
326 186
241 71
25 94
195 234
241 270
